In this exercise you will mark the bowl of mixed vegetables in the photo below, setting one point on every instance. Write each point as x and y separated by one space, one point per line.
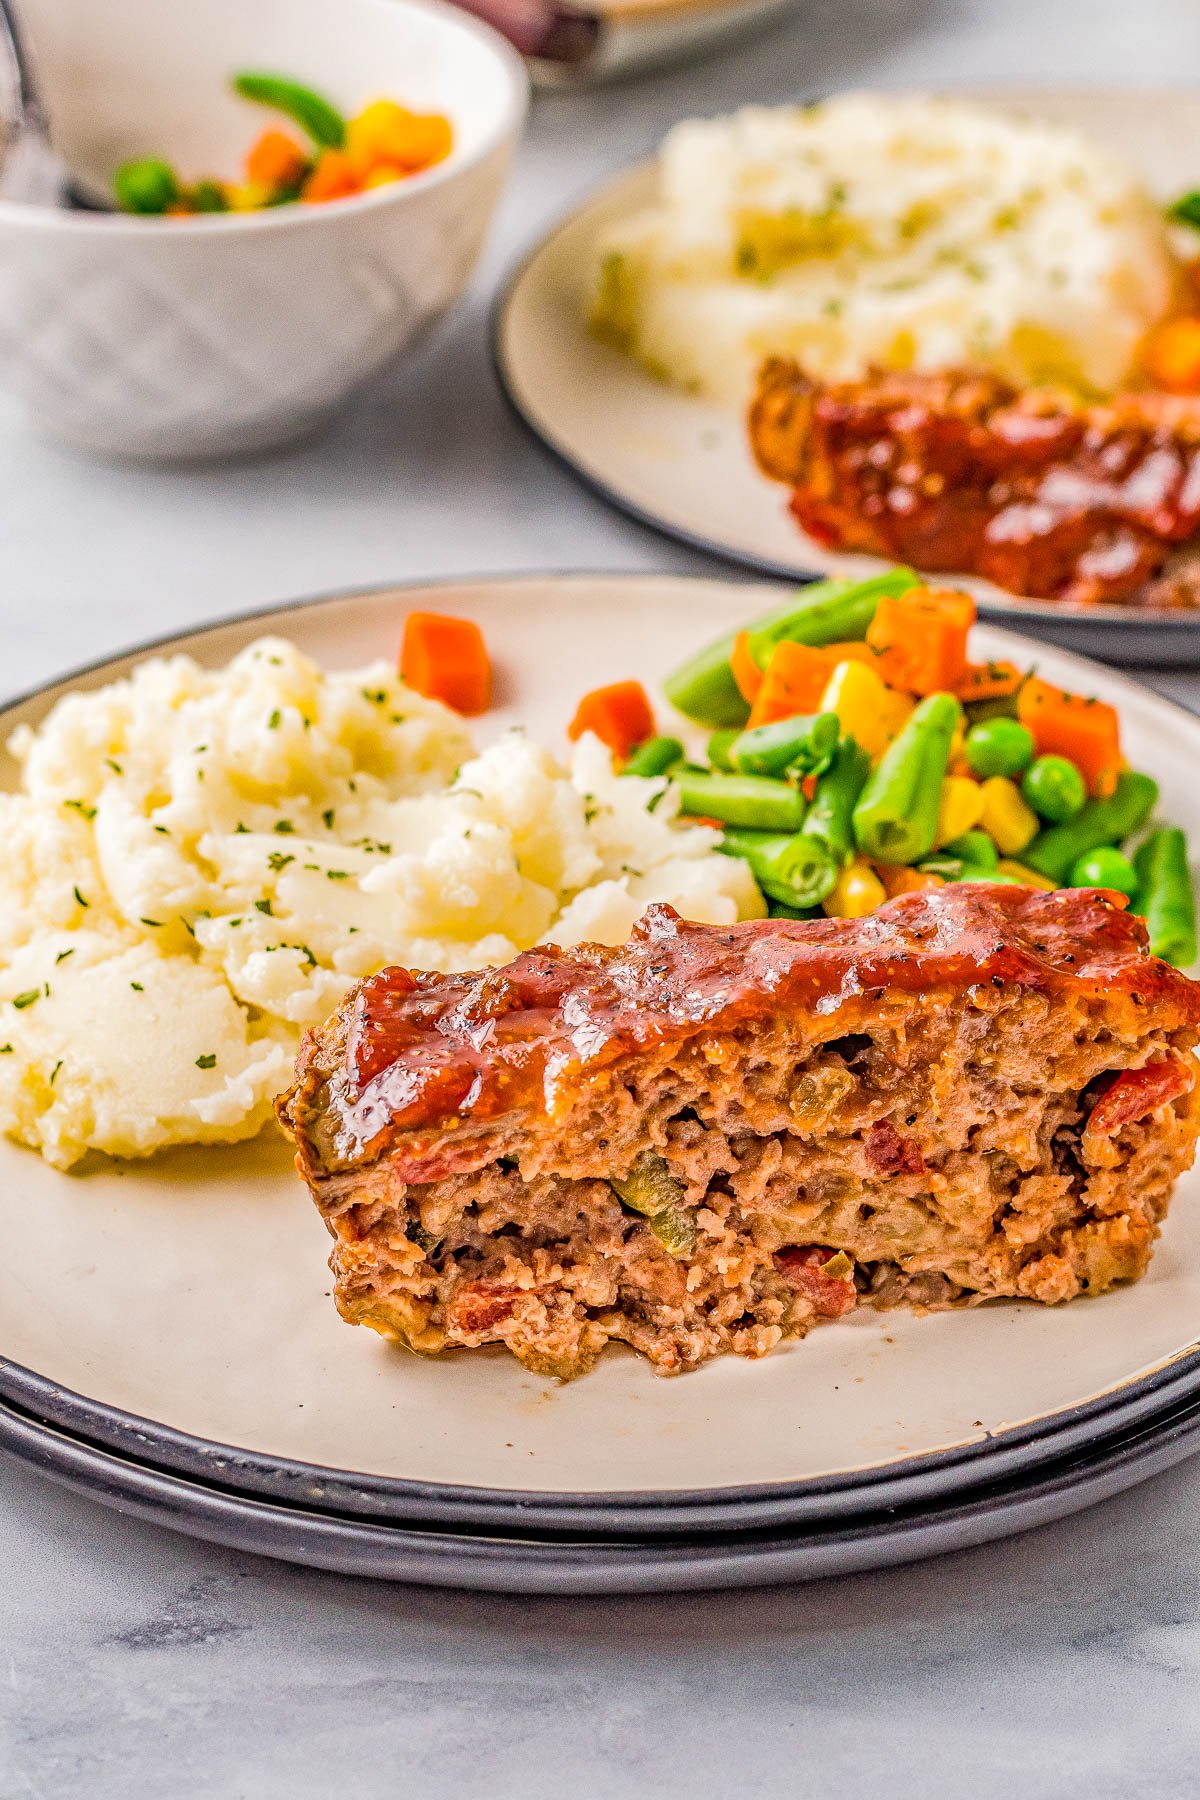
849 749
296 194
319 156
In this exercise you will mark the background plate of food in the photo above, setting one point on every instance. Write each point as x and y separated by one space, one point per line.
962 331
212 842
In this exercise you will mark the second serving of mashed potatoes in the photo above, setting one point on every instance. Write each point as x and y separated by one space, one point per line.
884 230
199 863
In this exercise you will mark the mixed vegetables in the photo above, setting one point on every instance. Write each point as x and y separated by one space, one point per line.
337 156
1170 353
855 752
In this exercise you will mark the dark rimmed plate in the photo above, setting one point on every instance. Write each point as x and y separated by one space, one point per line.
580 1565
186 1298
681 464
1010 1455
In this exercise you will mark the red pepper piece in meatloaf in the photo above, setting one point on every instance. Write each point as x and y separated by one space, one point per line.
713 1137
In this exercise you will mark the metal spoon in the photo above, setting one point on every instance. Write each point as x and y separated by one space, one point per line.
32 173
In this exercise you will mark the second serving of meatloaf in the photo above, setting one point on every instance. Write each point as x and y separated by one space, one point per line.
713 1137
954 471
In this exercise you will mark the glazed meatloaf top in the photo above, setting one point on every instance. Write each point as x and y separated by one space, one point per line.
429 1069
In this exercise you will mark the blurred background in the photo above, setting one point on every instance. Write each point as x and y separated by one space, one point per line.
427 472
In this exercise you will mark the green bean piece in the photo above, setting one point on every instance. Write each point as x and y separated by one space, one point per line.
791 867
1166 898
1054 787
957 868
755 801
798 745
1104 868
1109 821
827 612
651 1189
1186 210
718 748
831 810
974 848
323 123
778 909
654 757
146 186
895 820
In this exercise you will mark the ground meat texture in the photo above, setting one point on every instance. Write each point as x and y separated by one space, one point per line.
979 1092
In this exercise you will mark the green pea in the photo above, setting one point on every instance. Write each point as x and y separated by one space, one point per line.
146 186
1054 788
998 747
1105 868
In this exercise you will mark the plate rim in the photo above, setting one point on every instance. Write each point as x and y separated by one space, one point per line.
1167 623
397 1500
111 1425
542 1566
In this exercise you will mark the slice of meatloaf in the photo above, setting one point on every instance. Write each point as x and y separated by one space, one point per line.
713 1137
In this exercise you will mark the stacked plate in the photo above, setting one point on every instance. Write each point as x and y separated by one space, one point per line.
170 1347
574 1542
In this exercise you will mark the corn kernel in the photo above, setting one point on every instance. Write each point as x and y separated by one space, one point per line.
248 196
866 707
1028 877
386 133
858 892
1010 824
960 809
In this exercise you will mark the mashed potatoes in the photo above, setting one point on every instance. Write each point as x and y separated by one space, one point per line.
899 232
199 863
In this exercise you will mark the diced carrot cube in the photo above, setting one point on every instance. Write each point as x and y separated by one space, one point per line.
619 715
989 681
1085 730
446 659
921 639
333 177
275 161
745 671
897 878
797 676
1171 355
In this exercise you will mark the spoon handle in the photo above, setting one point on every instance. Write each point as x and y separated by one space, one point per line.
31 113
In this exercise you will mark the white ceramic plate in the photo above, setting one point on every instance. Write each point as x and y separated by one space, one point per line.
191 1291
682 463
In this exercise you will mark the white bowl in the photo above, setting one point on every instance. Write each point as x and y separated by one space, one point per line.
230 332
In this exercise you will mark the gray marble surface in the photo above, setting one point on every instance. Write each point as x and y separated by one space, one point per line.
131 1660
